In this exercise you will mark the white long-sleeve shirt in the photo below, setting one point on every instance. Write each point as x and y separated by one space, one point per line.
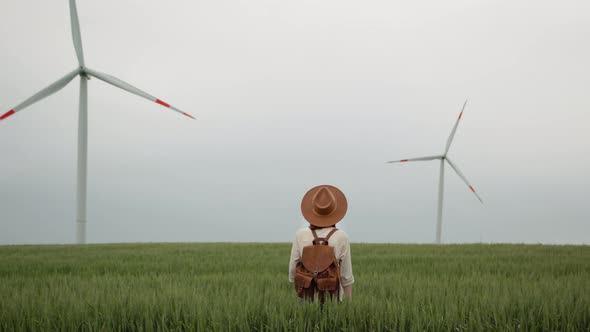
339 240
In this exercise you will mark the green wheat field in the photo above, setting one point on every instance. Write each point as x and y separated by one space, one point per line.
244 287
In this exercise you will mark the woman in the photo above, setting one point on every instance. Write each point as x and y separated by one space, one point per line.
323 207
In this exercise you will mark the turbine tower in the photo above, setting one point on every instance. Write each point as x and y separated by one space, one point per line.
441 179
85 73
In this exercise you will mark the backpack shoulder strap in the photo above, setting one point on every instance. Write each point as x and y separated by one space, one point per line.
331 232
315 235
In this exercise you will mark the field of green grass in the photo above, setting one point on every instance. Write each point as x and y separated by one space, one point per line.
238 287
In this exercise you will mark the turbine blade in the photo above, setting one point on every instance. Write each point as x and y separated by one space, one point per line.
130 88
450 139
454 167
76 37
414 159
51 89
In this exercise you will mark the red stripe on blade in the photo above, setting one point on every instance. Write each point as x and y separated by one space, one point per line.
190 116
470 187
460 114
403 161
162 103
7 114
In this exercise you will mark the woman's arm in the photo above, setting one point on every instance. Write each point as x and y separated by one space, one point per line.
348 292
293 260
346 277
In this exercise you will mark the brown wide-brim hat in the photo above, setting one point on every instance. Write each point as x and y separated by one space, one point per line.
324 206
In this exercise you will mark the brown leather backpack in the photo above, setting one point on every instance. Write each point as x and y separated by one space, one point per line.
318 270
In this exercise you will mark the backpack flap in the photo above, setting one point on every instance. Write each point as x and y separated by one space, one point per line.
317 259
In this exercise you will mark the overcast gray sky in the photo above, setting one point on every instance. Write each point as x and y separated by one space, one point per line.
293 94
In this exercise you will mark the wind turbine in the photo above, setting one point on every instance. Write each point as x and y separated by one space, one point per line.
441 179
84 73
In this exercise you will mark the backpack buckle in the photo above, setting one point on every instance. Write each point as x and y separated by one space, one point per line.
320 241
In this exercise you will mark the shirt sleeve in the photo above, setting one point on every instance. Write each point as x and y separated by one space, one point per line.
346 277
293 260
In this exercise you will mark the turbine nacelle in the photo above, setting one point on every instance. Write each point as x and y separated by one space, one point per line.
83 73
